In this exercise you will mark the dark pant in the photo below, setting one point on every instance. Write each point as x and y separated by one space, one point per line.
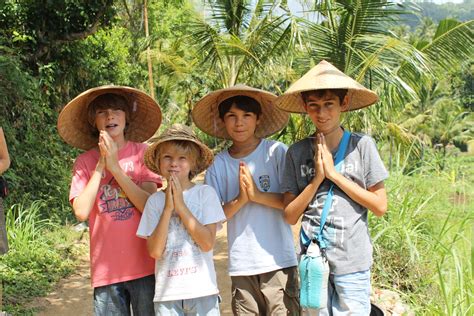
115 299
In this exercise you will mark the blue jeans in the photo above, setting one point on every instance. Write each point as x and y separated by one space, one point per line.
348 294
206 305
115 299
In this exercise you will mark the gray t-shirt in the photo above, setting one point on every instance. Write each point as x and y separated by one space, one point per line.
346 233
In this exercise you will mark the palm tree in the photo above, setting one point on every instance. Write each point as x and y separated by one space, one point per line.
241 40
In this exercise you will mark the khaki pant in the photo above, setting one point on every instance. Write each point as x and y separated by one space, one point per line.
271 293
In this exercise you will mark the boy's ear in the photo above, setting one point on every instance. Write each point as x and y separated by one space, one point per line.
345 103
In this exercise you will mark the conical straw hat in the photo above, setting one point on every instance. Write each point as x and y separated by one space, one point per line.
74 127
206 111
325 76
177 132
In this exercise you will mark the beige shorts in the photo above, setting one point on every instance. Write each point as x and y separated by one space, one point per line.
271 293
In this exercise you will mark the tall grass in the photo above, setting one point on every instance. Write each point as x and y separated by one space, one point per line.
25 226
422 247
40 254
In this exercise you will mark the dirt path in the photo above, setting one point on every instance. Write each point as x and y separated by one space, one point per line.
73 295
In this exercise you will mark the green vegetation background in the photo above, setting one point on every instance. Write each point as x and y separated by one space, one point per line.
418 58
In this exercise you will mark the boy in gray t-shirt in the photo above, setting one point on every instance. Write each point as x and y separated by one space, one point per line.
323 93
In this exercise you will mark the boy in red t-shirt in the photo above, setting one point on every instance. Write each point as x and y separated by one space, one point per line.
110 186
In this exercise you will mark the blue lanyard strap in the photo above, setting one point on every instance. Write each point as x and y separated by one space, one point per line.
341 151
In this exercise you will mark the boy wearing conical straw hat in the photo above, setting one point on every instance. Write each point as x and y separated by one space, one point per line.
180 225
323 94
247 178
110 186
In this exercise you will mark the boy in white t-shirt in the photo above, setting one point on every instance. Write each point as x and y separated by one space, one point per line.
247 177
180 226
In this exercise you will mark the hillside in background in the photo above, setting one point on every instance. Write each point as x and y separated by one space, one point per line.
460 11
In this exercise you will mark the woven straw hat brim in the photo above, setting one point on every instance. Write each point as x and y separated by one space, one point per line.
174 133
205 113
144 121
325 76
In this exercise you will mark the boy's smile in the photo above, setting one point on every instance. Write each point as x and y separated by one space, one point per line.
325 112
240 125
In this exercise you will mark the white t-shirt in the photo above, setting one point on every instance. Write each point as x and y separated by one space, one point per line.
184 271
259 239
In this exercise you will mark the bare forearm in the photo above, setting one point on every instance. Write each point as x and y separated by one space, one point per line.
134 193
84 202
204 236
232 207
4 164
271 199
4 156
295 206
156 243
375 200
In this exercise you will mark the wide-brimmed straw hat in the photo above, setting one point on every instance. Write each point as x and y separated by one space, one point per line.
206 111
178 132
325 76
144 120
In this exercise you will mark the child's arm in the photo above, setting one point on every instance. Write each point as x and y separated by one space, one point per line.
296 205
374 198
84 202
156 242
232 207
271 199
203 235
136 194
4 156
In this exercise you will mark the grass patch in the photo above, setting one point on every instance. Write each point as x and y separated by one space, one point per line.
40 254
422 247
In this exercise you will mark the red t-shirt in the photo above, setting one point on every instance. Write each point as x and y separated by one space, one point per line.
116 253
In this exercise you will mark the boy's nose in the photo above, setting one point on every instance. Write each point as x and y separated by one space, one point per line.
109 114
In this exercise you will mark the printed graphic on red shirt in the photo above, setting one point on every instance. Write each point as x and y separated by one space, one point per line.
114 202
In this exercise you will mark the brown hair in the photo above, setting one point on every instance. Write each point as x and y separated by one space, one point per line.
187 147
107 101
320 93
242 102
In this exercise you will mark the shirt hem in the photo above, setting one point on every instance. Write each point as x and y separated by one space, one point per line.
184 297
254 271
122 279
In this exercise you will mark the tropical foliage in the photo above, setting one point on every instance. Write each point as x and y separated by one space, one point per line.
422 72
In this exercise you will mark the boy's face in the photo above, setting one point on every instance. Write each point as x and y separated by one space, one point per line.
325 111
240 125
111 120
173 160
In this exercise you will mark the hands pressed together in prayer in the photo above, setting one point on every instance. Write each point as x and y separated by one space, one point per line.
108 153
248 189
323 160
174 195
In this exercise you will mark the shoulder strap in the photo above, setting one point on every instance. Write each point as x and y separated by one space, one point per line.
341 151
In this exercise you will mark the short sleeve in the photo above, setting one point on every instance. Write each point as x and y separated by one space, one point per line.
150 216
212 207
374 168
80 178
280 154
211 180
289 180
